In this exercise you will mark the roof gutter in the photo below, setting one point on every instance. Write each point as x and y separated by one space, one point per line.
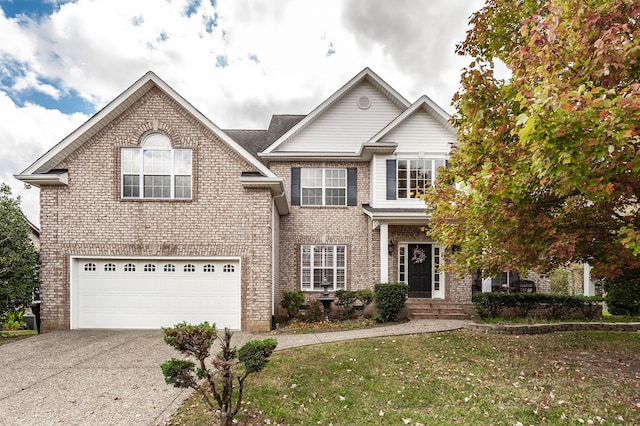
45 179
275 185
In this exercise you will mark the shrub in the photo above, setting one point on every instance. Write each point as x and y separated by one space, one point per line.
390 299
547 306
346 299
365 296
315 312
623 293
292 301
14 320
218 394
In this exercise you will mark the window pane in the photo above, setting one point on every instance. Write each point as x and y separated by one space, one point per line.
183 187
182 161
157 186
130 160
131 186
311 178
157 162
336 178
157 140
311 197
336 197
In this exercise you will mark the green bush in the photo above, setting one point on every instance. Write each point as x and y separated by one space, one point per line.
14 320
315 313
292 301
389 299
623 293
346 299
547 306
365 296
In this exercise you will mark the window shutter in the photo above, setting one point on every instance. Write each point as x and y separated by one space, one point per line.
391 180
295 186
352 187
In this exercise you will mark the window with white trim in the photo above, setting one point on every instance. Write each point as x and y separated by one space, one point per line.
323 187
414 175
149 267
208 268
189 267
110 267
129 267
228 268
169 267
323 264
156 170
89 266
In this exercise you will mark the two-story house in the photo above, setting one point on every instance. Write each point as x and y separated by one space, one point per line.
152 215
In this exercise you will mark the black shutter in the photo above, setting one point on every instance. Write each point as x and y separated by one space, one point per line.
295 186
352 187
391 180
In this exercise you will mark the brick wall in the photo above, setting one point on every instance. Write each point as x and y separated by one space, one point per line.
88 217
347 226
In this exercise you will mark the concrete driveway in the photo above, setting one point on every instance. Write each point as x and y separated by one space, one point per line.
87 377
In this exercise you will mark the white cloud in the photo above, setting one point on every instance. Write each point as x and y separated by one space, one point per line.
276 55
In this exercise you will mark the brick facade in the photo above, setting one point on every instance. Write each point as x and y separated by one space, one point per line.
88 217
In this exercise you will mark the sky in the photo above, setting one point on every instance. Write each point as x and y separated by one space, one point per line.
237 61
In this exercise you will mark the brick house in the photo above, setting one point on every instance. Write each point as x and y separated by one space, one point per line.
151 214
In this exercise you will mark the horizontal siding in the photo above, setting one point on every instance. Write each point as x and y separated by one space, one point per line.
421 133
418 135
344 127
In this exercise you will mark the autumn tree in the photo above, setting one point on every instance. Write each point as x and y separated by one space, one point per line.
547 169
18 256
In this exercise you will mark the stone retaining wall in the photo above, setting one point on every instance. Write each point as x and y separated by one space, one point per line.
552 328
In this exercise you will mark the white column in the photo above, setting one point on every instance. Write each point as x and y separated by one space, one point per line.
384 252
588 287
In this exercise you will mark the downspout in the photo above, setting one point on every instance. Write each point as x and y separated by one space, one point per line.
274 265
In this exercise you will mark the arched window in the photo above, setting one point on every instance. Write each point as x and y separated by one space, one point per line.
160 170
169 267
89 266
189 267
129 267
149 267
208 268
228 268
109 267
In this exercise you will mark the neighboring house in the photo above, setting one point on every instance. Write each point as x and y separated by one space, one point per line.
34 233
152 215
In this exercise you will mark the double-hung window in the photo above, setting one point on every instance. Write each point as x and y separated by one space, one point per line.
323 264
324 187
156 170
408 178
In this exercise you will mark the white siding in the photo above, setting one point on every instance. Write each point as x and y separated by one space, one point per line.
344 127
420 135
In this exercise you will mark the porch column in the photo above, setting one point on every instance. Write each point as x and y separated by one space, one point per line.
384 252
587 286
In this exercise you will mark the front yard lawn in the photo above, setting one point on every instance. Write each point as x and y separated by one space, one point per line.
457 377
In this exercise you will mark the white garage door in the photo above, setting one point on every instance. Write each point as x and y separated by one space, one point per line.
153 293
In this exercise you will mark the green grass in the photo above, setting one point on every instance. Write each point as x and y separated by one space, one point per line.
447 378
11 336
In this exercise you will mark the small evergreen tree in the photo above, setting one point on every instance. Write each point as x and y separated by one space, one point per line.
18 257
217 391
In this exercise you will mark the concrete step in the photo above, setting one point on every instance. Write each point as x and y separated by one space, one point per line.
436 309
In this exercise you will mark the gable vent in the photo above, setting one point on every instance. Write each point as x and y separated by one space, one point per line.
364 102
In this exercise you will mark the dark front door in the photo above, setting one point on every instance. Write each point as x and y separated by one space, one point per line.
419 270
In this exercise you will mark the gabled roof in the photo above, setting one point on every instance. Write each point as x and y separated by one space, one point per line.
255 141
365 74
40 171
429 106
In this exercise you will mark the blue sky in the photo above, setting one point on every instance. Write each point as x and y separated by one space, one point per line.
237 61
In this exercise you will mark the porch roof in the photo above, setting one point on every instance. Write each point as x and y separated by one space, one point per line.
397 216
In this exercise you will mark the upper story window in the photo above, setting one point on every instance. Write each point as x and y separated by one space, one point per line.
408 178
323 187
156 170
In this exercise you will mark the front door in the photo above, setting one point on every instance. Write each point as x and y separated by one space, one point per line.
419 270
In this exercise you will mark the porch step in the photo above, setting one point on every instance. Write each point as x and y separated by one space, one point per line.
437 309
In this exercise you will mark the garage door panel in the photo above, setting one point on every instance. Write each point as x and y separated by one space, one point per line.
108 293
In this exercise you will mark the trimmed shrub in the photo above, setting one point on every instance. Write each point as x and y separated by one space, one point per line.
292 301
365 296
389 299
546 306
623 293
345 299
